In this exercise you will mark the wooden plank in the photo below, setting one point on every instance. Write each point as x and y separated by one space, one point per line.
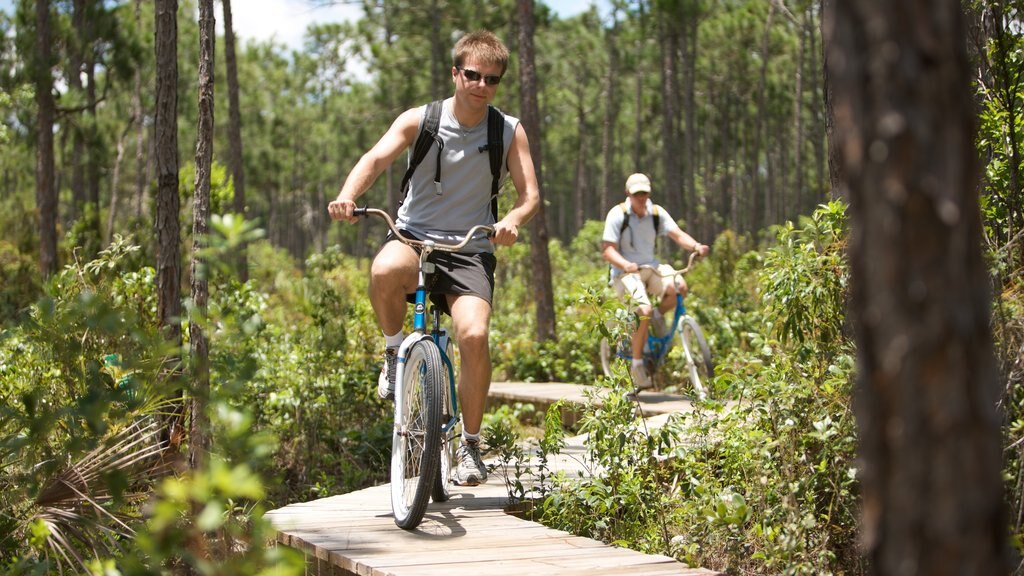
355 533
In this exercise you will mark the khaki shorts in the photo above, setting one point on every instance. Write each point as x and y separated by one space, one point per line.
641 283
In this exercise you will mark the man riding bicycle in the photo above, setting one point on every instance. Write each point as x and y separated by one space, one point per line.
630 235
448 194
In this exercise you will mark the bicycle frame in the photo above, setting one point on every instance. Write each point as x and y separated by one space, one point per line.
658 346
436 333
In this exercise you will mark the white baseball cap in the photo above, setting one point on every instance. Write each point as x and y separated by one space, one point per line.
638 183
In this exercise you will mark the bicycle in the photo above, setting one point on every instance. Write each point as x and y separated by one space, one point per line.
696 353
427 426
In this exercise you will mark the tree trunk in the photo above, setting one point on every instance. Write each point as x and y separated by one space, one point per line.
581 185
835 178
689 63
46 192
669 192
141 170
798 122
609 191
439 62
541 263
115 183
927 386
168 268
235 134
759 132
199 433
638 136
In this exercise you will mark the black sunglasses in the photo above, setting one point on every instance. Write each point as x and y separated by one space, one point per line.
474 76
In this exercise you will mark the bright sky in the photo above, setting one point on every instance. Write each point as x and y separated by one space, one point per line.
286 20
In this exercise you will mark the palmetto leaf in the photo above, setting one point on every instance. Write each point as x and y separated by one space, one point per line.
85 516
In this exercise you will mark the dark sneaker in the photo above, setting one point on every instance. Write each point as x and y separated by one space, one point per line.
386 380
471 470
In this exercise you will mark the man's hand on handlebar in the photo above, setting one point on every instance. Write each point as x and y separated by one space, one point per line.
505 234
341 209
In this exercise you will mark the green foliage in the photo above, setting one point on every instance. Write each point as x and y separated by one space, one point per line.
580 290
19 282
623 500
211 519
83 381
764 484
804 284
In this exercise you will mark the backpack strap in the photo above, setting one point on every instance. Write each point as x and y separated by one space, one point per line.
496 152
654 212
427 138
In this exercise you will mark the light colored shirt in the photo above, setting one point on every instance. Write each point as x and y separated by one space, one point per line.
464 199
636 242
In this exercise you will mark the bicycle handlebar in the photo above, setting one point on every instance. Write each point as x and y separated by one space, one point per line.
424 243
694 256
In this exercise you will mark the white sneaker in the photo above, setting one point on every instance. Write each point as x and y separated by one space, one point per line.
386 380
471 470
641 380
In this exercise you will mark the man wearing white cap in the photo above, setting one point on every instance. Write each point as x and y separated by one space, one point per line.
630 231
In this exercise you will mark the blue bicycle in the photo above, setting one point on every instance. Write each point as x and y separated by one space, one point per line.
698 366
427 427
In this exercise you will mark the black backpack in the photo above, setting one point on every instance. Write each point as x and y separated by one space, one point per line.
428 137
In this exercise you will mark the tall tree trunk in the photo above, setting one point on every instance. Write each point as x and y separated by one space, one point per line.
141 166
609 191
670 186
927 385
541 263
835 177
581 184
235 133
168 235
46 191
798 120
115 183
438 61
759 149
638 131
688 28
199 433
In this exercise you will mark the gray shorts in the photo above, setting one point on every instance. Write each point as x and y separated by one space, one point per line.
456 273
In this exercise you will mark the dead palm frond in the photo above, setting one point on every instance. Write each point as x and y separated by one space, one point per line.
86 517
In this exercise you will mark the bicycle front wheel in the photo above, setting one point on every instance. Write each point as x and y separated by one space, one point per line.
416 438
697 356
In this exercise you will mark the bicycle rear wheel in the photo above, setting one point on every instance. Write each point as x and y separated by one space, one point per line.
451 439
416 440
697 356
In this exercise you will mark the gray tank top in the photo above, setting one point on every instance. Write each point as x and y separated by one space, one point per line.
464 199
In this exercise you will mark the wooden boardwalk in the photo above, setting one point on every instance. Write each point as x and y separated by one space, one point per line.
355 533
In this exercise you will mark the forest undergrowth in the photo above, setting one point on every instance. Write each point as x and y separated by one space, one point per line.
761 478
